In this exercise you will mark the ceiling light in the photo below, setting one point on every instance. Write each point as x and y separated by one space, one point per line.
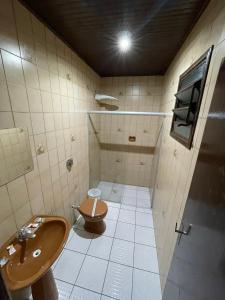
124 41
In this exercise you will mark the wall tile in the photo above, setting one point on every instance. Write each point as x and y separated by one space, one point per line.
31 75
7 228
8 37
4 96
18 193
18 97
13 68
37 120
6 209
6 120
23 214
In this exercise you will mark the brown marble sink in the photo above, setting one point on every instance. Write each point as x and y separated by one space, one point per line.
50 239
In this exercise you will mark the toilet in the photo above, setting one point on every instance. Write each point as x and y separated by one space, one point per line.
93 212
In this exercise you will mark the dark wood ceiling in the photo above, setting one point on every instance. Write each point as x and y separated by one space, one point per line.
91 27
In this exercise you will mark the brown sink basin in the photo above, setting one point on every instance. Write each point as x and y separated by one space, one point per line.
50 240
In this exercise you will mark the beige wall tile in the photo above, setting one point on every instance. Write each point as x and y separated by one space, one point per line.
13 68
49 122
7 228
37 120
6 120
47 102
51 140
4 96
18 193
18 97
23 214
6 209
31 74
53 157
23 120
43 162
44 80
8 37
35 100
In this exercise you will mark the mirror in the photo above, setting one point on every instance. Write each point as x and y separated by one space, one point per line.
15 154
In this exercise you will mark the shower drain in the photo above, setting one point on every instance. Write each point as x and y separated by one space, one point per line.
36 253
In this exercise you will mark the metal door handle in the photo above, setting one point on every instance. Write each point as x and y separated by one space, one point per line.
185 232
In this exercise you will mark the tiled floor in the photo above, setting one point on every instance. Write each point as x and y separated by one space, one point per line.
120 264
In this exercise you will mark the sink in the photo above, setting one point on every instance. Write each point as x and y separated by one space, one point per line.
40 253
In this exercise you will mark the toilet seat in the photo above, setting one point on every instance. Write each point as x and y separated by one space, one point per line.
86 209
96 223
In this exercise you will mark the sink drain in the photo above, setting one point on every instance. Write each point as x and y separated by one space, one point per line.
36 253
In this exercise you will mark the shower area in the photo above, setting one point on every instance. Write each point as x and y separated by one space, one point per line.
123 134
122 157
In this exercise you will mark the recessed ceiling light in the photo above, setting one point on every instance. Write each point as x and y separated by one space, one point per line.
124 41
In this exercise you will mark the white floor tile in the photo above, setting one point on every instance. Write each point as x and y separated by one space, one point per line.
144 210
145 258
110 228
145 235
105 193
82 294
115 196
56 261
113 213
129 201
128 207
64 289
106 184
118 186
122 252
143 219
125 231
118 282
143 203
130 187
80 241
106 298
142 189
127 216
143 195
68 266
72 230
146 285
112 204
117 189
100 247
130 193
92 274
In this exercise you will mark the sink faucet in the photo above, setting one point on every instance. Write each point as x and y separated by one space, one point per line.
25 233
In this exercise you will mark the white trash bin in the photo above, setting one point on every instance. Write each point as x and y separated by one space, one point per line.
94 193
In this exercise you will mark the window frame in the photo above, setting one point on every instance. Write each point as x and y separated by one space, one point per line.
187 142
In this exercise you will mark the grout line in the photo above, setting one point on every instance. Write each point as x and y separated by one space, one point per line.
109 256
78 274
86 290
133 257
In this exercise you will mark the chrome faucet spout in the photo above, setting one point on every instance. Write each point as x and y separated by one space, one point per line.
25 233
